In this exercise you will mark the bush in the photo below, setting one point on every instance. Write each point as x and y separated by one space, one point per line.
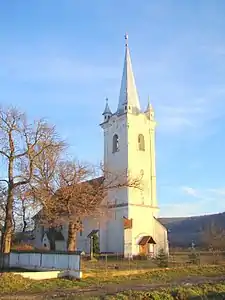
23 247
11 283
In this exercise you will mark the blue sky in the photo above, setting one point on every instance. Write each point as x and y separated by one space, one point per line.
60 59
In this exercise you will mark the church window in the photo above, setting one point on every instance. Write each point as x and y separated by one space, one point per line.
115 143
141 142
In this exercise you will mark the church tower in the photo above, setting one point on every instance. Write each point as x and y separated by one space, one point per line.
129 150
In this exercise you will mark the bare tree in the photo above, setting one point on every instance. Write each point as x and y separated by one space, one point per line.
21 143
73 193
24 208
3 196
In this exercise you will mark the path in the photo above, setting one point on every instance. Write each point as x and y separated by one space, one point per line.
110 289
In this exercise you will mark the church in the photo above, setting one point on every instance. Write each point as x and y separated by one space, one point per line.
129 146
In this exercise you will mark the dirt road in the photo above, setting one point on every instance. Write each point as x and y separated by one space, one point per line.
109 289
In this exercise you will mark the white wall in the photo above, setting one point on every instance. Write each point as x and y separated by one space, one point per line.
44 261
60 246
161 237
38 234
89 224
112 233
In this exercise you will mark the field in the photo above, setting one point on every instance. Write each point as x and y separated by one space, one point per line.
114 278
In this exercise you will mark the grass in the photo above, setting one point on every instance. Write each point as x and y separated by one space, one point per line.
156 275
11 283
175 259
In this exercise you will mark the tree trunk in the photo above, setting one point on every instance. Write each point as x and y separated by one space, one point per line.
24 218
72 235
8 226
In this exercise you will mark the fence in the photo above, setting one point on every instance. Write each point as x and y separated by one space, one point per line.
41 260
176 259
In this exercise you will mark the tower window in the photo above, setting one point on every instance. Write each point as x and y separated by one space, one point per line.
115 143
141 142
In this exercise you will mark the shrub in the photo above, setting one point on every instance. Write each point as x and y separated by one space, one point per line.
11 283
23 247
162 259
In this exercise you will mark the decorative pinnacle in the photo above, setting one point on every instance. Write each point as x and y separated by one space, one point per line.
126 39
148 101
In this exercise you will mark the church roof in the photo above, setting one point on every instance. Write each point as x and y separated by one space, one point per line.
159 222
107 109
147 239
98 181
92 233
54 235
128 91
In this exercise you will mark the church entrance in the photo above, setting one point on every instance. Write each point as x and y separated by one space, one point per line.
146 245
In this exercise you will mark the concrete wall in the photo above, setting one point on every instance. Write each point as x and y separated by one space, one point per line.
45 261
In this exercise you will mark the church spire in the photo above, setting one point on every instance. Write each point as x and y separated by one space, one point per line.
149 110
107 111
128 99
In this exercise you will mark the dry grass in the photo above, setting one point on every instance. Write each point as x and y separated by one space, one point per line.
176 259
11 283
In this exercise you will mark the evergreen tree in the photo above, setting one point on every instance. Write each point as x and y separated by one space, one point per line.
162 259
96 247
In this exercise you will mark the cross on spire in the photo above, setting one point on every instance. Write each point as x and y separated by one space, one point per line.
126 39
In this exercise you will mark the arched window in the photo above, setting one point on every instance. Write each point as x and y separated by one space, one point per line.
141 142
115 143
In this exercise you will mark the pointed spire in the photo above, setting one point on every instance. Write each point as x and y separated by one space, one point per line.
128 98
149 110
148 106
107 110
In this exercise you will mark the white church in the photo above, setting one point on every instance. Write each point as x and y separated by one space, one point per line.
129 146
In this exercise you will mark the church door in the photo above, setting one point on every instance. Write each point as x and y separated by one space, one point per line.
143 249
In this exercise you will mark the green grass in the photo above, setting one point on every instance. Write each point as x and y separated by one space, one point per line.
11 283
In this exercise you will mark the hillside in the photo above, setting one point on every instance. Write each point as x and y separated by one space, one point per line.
202 230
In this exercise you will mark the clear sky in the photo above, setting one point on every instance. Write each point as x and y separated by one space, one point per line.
60 59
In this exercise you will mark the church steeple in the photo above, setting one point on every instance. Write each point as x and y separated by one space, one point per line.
107 111
128 99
